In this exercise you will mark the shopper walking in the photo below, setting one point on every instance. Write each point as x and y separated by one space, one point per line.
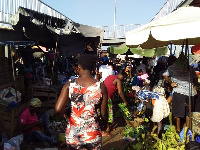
86 96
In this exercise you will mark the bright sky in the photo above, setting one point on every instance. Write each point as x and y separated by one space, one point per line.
101 12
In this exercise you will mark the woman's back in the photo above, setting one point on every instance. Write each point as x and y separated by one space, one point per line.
84 100
83 123
84 94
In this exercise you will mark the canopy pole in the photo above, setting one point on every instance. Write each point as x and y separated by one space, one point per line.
54 60
13 70
183 45
54 57
114 29
170 48
190 85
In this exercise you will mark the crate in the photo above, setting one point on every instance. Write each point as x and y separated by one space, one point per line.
49 103
47 95
11 119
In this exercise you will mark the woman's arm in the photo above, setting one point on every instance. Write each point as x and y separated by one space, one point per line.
104 104
25 127
169 99
169 81
120 92
63 99
135 113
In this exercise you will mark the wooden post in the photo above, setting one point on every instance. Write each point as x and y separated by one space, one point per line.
171 48
190 85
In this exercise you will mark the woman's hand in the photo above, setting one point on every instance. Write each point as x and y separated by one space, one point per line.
125 102
174 84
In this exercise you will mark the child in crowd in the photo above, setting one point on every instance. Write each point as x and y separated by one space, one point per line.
155 103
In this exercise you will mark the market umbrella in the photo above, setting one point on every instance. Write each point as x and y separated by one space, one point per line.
175 27
123 49
118 49
128 52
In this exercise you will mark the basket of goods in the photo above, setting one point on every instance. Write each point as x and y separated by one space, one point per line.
57 126
196 122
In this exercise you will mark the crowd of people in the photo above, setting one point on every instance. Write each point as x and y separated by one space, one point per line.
160 86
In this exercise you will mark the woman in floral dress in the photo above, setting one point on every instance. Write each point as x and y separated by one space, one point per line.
86 95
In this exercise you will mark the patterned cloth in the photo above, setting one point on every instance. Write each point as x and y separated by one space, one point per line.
161 107
181 78
143 95
83 130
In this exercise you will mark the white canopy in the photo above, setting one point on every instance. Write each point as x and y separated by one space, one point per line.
181 24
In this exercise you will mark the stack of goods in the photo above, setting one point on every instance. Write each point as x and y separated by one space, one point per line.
142 139
57 127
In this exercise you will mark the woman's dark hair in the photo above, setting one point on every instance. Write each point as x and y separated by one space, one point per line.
134 92
75 65
124 74
87 62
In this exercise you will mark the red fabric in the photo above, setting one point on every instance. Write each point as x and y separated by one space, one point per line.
27 119
111 88
196 49
130 95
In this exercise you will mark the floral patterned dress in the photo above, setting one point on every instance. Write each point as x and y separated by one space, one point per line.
83 130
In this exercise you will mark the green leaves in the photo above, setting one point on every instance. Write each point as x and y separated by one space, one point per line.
125 111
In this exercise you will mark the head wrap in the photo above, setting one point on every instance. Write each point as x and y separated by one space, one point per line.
35 102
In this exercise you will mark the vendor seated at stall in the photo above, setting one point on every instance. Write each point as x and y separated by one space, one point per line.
34 126
154 104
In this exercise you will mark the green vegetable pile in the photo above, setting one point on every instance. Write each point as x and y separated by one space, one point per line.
134 132
149 141
127 115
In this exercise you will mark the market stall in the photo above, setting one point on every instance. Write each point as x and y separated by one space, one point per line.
175 28
51 32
